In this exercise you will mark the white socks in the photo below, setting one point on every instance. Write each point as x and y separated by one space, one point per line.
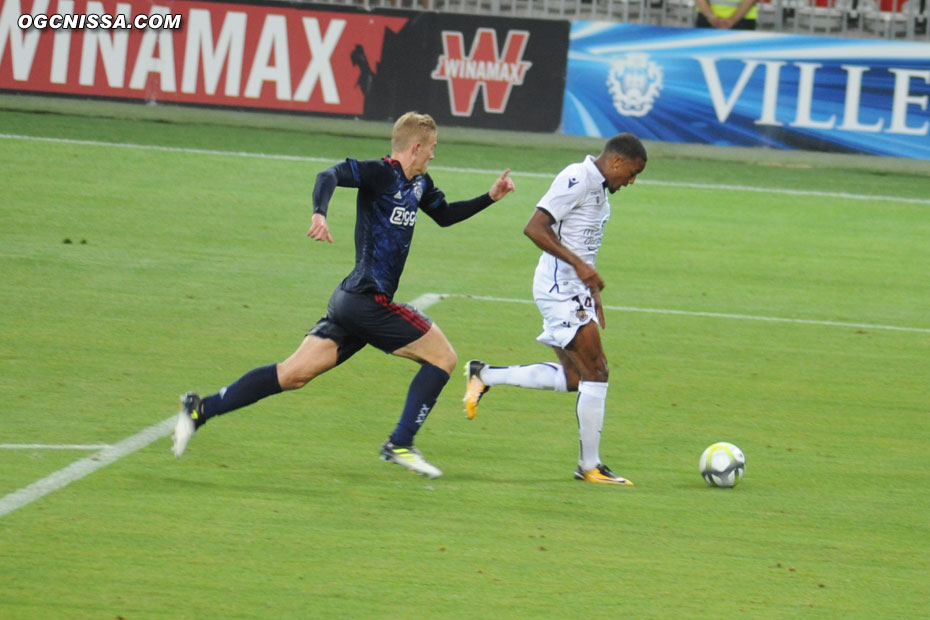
542 376
590 410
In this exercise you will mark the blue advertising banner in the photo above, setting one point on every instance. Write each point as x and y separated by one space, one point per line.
748 89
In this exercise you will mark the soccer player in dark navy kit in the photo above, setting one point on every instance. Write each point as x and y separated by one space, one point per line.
391 193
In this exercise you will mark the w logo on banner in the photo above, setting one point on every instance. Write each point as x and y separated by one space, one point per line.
483 67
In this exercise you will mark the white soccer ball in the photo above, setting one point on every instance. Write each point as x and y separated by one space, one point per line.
723 465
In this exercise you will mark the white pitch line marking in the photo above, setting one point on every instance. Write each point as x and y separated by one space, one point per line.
85 466
715 315
547 175
424 301
109 454
168 149
53 446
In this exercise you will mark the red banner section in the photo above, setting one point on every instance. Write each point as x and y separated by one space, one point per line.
252 56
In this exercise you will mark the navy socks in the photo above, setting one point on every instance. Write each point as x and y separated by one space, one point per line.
263 381
422 395
247 389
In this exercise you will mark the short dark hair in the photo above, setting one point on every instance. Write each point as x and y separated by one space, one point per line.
627 146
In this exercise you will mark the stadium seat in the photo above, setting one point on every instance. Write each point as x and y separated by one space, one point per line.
631 11
858 18
889 19
771 15
680 13
924 18
822 16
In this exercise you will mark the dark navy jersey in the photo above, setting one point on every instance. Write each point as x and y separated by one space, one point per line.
387 206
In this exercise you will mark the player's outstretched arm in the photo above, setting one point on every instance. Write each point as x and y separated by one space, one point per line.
446 213
502 186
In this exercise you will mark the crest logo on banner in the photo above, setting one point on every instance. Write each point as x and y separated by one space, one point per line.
495 74
634 82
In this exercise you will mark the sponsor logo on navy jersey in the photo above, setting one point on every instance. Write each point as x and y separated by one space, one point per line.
400 216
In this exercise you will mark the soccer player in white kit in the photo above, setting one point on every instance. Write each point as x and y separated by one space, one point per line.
568 226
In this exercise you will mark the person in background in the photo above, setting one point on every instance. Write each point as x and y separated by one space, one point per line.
727 14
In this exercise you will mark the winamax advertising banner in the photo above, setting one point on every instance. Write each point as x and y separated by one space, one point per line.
465 70
748 89
477 71
270 57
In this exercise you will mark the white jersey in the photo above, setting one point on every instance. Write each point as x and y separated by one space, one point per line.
577 201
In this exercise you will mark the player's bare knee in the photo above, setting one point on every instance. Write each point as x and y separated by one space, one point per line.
444 356
287 386
572 378
292 379
442 353
449 361
600 373
289 382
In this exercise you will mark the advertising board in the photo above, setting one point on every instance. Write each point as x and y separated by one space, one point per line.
749 89
464 70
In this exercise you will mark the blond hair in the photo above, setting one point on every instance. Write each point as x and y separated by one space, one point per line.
409 127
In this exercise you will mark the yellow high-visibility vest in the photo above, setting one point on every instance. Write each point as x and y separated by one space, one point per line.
726 8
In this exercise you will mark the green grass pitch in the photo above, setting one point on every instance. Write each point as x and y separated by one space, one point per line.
129 275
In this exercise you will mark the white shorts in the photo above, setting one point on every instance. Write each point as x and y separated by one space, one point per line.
563 312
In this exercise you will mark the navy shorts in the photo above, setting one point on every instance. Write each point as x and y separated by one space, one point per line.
353 320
